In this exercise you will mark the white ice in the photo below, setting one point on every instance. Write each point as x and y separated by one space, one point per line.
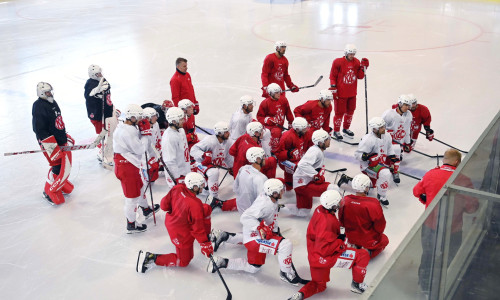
444 52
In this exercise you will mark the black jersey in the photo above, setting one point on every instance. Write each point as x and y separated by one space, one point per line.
47 121
95 104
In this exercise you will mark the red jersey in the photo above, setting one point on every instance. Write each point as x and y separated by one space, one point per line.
317 116
185 217
323 247
277 110
290 140
182 88
239 151
275 70
363 219
345 74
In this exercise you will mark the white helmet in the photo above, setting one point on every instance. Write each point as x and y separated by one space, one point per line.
246 100
253 153
273 88
413 99
42 88
93 71
194 179
280 44
174 114
350 49
376 123
325 95
149 112
253 127
360 182
319 136
272 186
185 104
133 110
330 198
221 127
299 123
404 99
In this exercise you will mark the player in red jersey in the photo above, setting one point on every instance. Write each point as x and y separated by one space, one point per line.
317 112
275 70
181 85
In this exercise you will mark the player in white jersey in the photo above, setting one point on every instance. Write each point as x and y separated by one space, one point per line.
174 148
377 158
261 237
398 124
129 151
241 118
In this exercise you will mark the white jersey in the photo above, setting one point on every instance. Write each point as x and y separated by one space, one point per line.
262 209
370 143
127 143
238 124
175 152
398 126
220 151
156 132
306 168
249 183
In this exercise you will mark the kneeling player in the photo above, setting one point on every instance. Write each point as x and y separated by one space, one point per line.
326 249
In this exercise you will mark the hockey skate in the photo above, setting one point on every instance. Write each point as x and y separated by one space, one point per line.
344 179
217 237
147 261
148 212
132 227
348 133
358 288
395 177
292 277
383 200
47 198
297 296
220 263
337 135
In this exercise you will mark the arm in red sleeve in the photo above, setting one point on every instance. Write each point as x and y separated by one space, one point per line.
378 219
327 244
334 72
419 189
262 113
166 202
197 218
360 74
175 88
283 147
289 114
266 69
233 151
300 111
326 124
426 116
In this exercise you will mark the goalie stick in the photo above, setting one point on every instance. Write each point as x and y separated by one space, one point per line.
229 296
308 86
92 145
445 144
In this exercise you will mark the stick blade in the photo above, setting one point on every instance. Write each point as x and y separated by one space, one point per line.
319 79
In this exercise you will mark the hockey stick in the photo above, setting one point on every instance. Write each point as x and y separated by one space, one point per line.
150 188
224 177
168 171
92 145
366 101
308 86
446 144
335 171
424 154
411 176
344 141
229 296
203 130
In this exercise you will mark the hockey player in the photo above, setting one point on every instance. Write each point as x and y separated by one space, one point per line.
241 118
308 179
187 220
398 124
421 116
101 111
317 112
251 139
376 157
210 153
291 149
151 138
174 148
272 113
275 70
181 85
129 151
363 218
326 249
189 126
50 132
261 237
344 77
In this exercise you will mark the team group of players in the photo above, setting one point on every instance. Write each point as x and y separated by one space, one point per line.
153 138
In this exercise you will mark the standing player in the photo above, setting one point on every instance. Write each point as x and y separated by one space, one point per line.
261 237
308 179
398 123
291 149
189 126
421 116
50 132
275 70
326 249
241 118
187 219
376 158
181 85
344 77
174 148
101 111
129 151
272 113
363 218
317 112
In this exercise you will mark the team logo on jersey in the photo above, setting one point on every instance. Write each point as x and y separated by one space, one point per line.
92 115
108 99
400 133
349 77
280 116
322 260
59 123
215 188
384 185
278 75
318 123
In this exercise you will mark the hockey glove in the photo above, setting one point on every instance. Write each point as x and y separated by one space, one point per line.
52 148
207 158
373 161
429 133
270 121
71 140
264 92
207 249
341 237
319 179
180 179
365 63
265 231
144 127
294 154
423 198
367 156
118 113
334 92
104 87
407 148
196 109
294 88
393 158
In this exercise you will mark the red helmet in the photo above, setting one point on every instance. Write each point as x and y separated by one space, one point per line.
166 105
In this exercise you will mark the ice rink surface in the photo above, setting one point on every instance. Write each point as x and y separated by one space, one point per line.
444 52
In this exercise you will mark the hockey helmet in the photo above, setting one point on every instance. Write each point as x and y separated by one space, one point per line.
194 179
254 127
185 104
299 124
325 95
360 182
221 127
134 110
329 199
376 123
319 136
253 153
246 100
273 88
42 88
350 49
174 114
272 186
95 72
